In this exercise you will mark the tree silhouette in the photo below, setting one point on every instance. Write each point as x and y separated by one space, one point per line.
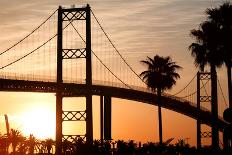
15 138
22 146
67 147
4 144
160 75
48 144
206 52
31 143
222 16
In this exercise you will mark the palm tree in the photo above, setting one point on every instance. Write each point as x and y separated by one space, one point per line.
160 75
206 52
48 144
4 144
31 143
22 147
15 139
222 17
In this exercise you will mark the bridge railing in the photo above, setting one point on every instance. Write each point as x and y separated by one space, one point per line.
44 78
182 100
26 77
188 102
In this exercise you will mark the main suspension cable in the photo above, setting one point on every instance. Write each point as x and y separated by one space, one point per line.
100 59
117 49
185 86
195 91
29 33
28 53
34 49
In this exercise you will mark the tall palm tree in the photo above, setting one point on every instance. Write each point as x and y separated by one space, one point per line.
206 52
222 17
160 75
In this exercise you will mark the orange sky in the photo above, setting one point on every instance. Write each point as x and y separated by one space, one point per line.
146 28
130 119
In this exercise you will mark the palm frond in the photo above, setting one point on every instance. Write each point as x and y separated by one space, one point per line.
161 72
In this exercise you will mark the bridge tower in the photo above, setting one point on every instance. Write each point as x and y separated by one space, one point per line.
202 78
69 15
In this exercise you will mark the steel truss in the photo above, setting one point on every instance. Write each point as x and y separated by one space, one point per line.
206 134
74 53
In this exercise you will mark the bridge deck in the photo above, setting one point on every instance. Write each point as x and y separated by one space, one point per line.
71 90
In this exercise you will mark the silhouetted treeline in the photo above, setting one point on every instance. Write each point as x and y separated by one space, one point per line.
121 147
16 144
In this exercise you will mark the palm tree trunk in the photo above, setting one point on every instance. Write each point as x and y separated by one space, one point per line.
214 108
229 84
160 117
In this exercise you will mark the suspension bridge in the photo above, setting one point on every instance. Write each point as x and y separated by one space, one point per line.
70 54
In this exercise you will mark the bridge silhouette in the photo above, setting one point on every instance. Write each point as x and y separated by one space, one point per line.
70 54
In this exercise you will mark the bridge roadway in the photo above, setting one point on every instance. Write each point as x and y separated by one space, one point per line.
76 90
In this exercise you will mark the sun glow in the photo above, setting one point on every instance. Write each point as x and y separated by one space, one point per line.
40 122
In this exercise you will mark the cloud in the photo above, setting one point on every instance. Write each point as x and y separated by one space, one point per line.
133 25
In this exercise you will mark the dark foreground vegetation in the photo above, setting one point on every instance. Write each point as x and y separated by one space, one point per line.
16 144
130 148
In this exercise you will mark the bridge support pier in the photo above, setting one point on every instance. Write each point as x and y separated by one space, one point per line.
101 119
59 120
105 118
198 134
89 120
